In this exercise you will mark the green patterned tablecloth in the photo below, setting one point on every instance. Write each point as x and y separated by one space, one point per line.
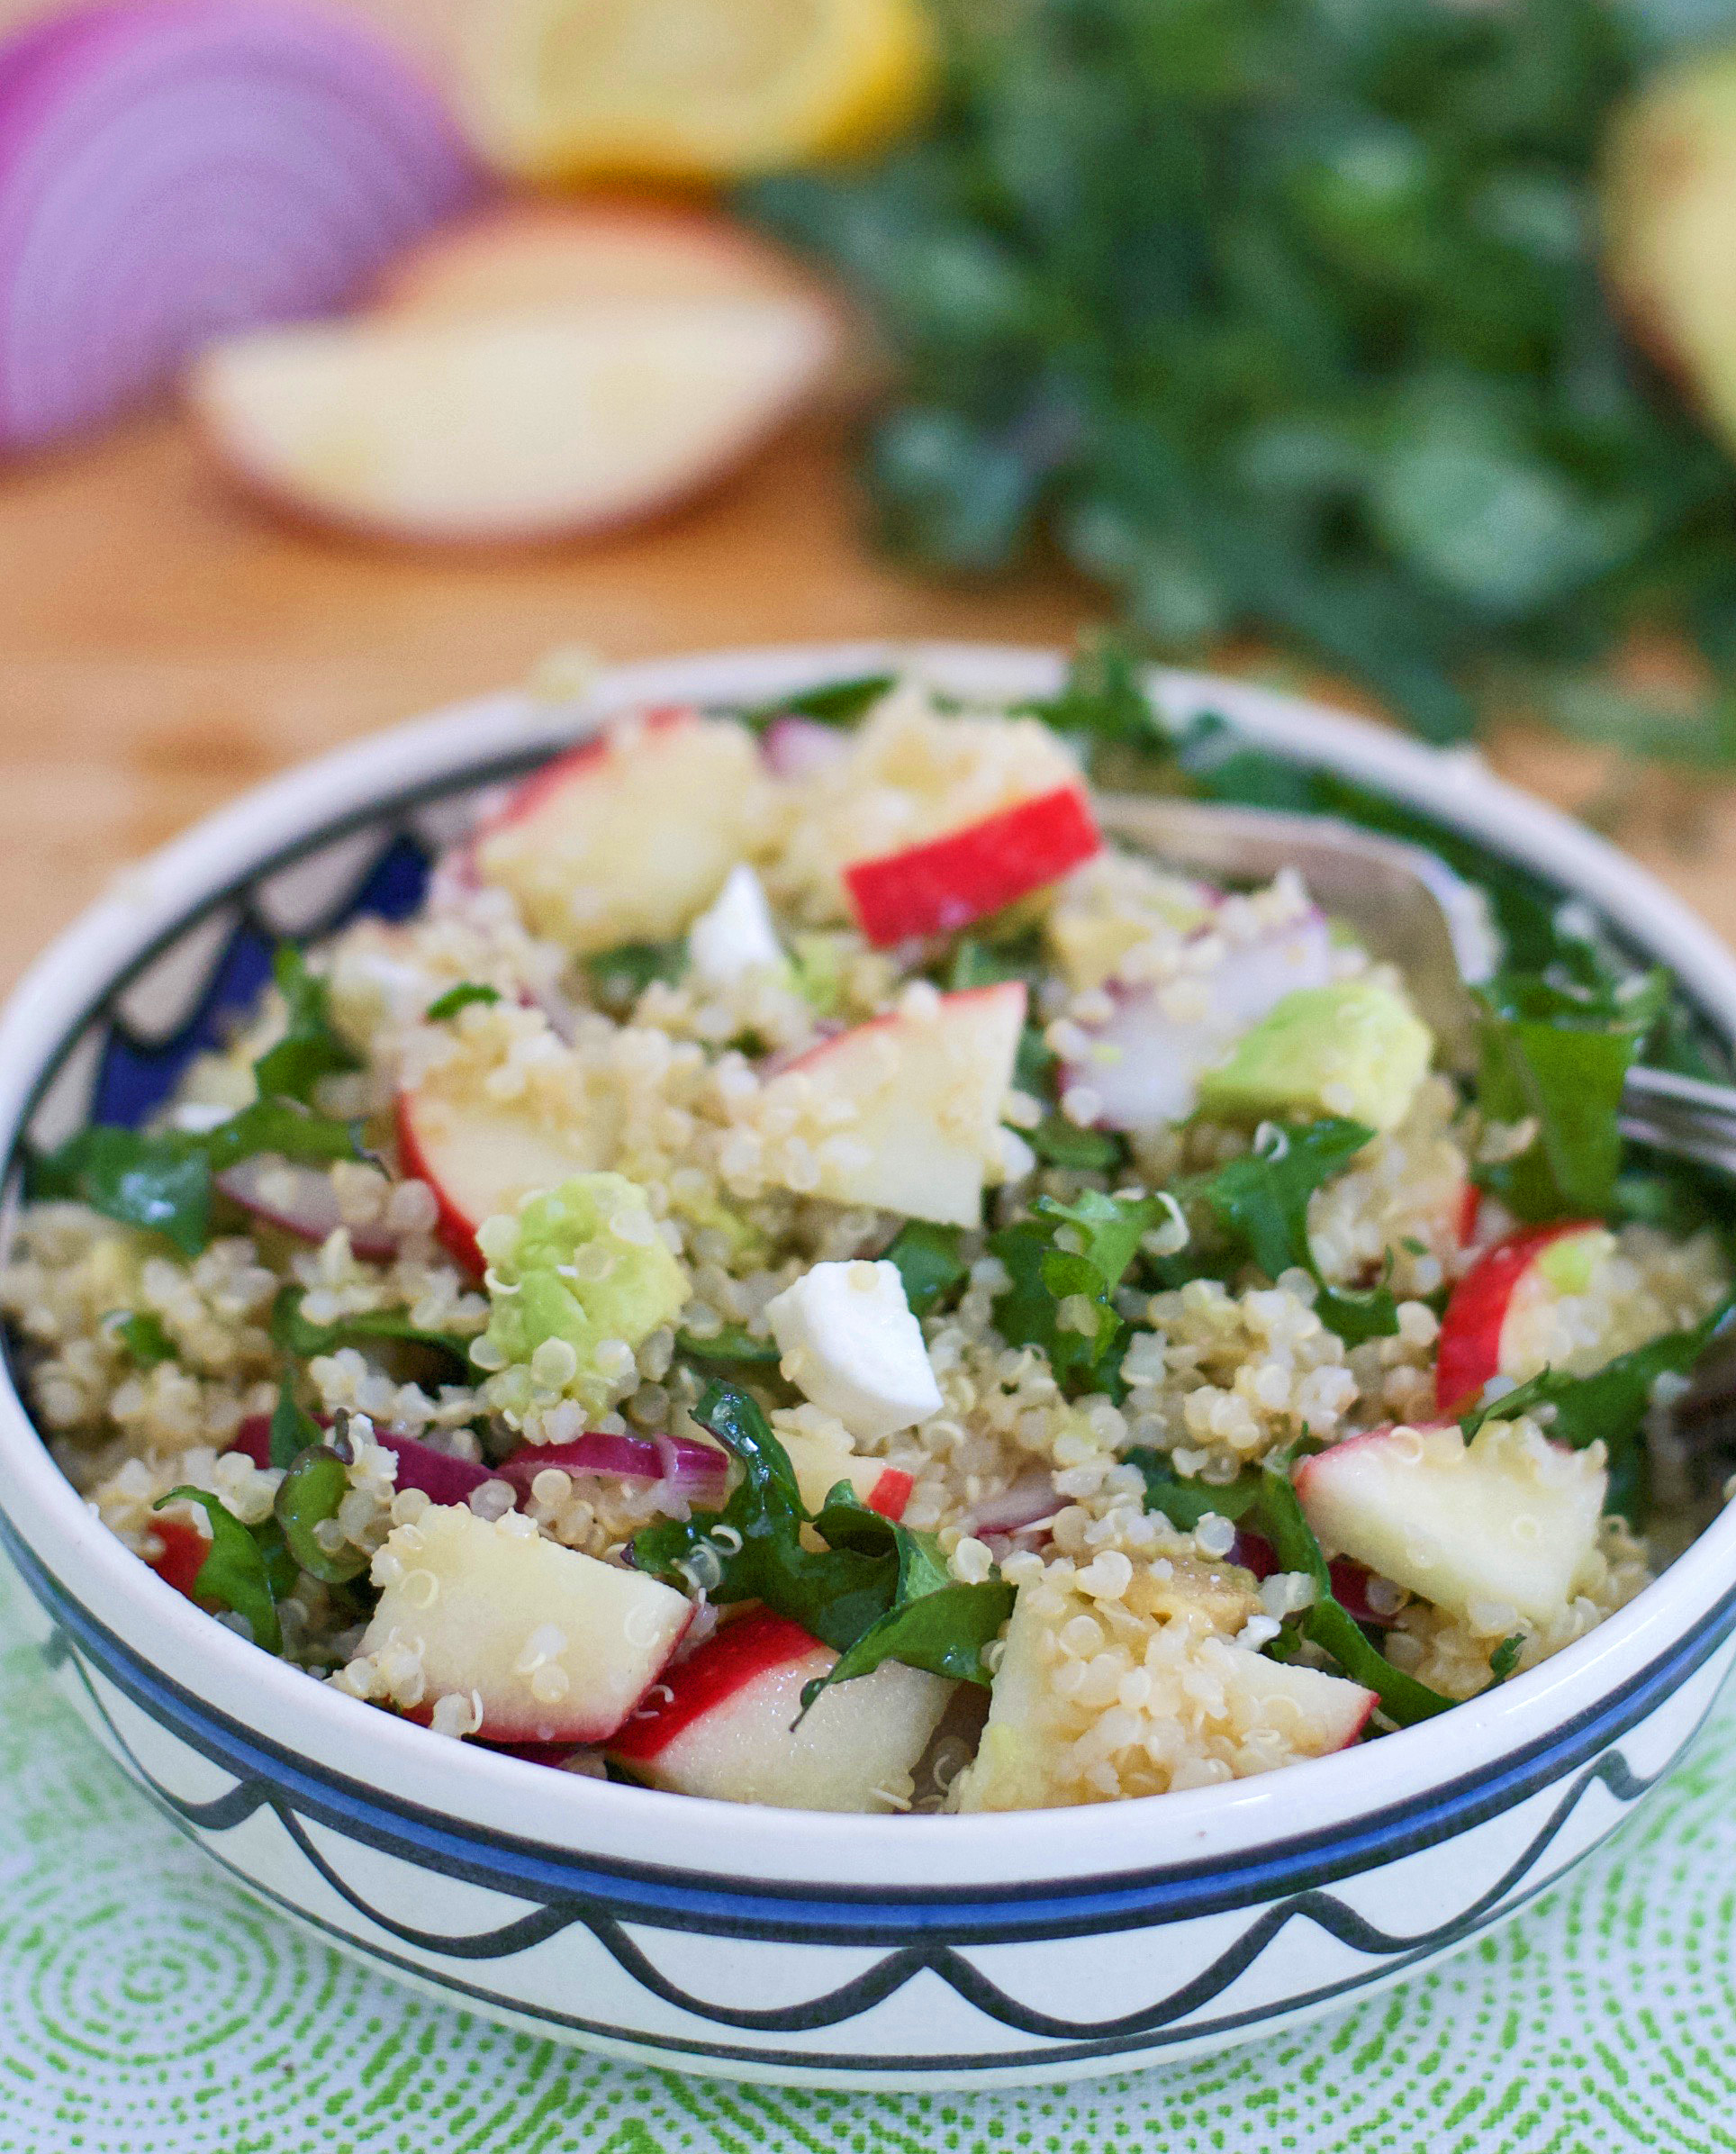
148 2007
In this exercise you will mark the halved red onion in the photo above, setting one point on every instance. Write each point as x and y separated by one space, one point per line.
299 1200
440 1477
798 748
179 169
1151 1074
689 1468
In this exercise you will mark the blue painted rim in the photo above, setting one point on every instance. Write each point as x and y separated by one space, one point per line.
269 1774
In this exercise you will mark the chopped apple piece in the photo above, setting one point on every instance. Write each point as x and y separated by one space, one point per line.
627 837
823 1457
1505 1522
1030 1755
555 1646
912 776
903 1113
480 1159
1505 1316
726 1726
942 886
538 423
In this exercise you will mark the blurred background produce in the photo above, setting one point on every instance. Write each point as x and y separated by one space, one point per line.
1386 346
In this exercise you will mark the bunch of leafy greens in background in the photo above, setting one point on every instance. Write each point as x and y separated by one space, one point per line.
1285 316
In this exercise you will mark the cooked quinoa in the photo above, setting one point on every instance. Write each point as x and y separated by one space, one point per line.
970 1223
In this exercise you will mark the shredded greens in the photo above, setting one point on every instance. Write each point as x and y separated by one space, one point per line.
875 1592
460 997
1288 317
248 1570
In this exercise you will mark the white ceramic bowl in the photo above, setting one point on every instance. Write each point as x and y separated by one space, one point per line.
875 1951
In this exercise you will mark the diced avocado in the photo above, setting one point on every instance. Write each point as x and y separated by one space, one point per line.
1354 1048
1569 1262
816 969
579 1265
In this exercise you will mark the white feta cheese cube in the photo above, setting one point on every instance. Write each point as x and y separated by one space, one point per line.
735 934
850 1343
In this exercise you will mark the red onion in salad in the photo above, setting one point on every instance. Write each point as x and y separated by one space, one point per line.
440 1477
689 1468
299 1200
176 170
1031 1500
799 747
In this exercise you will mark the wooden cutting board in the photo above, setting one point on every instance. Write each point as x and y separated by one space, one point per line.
164 644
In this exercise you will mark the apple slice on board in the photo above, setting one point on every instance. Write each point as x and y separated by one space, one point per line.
627 837
556 1646
1504 1522
905 1111
724 1723
1498 1312
543 423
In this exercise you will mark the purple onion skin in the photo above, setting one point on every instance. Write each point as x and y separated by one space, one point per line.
441 1477
700 1472
146 149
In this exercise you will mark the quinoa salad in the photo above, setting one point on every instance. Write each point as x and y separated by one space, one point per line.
807 1274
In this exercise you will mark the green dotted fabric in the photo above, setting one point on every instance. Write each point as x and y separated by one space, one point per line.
148 2006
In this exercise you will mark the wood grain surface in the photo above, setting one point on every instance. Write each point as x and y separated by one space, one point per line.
164 644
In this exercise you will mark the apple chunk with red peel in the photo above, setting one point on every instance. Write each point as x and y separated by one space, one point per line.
1504 1522
480 1159
556 1645
1498 1313
942 886
725 1724
537 422
822 1458
903 1113
631 836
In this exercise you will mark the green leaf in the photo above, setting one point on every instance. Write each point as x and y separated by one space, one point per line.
1561 1054
293 1429
311 1048
143 1336
1504 1659
867 1592
1076 1254
1607 1407
831 703
459 997
282 1127
239 1573
733 1342
308 1496
161 1183
294 1334
926 1258
1260 1201
1103 701
1062 1143
619 977
1183 1502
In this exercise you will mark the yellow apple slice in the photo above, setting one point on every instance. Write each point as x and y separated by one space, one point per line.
530 425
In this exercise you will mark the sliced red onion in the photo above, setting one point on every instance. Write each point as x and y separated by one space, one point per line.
440 1477
172 171
1152 1076
1029 1501
799 747
689 1468
1349 1580
299 1200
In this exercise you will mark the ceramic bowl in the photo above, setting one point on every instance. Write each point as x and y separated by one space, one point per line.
871 1951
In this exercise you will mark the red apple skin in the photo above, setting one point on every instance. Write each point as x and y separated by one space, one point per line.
1470 1203
940 887
453 1231
891 1493
895 1022
1469 1352
735 1656
184 1552
555 776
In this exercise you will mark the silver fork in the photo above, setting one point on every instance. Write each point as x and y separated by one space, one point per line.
1406 905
